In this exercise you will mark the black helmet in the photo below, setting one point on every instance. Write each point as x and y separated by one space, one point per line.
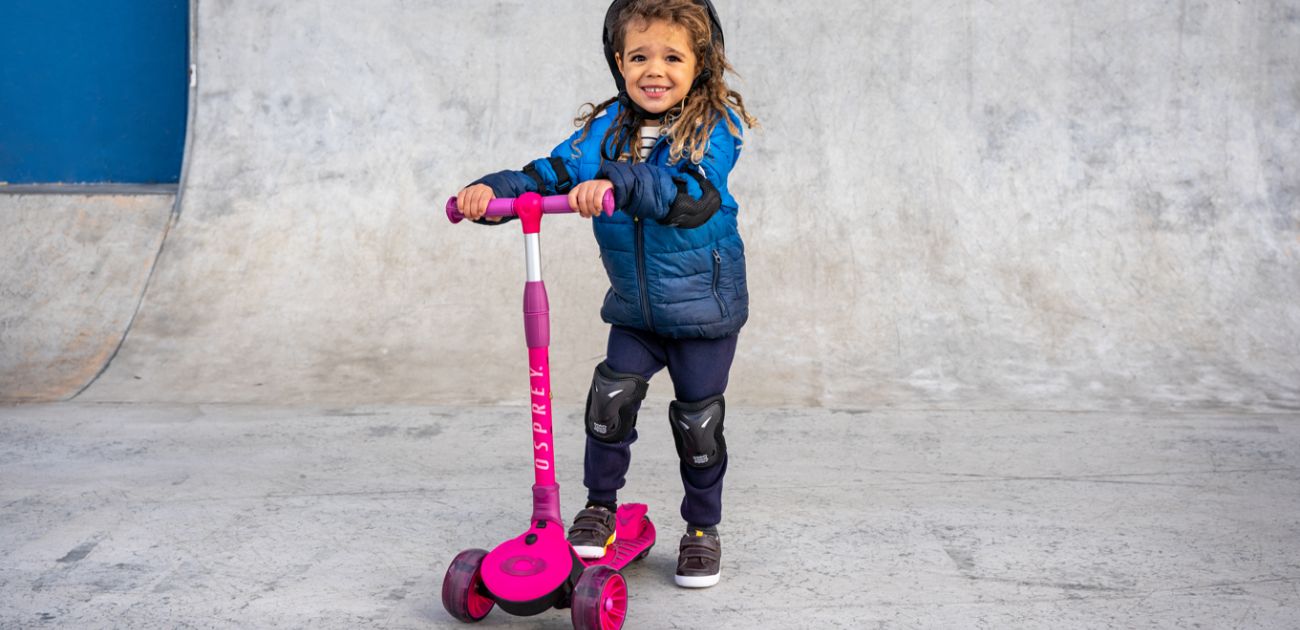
608 37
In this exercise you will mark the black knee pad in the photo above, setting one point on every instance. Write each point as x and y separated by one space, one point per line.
697 429
612 403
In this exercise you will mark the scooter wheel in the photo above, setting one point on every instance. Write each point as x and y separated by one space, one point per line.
599 599
463 594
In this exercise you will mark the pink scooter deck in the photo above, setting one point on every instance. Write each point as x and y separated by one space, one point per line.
534 571
633 538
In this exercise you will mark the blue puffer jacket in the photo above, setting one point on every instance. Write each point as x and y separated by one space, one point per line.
675 282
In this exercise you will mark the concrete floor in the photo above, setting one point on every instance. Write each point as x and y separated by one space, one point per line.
149 516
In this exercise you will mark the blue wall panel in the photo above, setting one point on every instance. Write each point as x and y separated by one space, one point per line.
93 91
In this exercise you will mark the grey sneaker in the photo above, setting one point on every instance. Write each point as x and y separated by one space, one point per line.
592 532
699 560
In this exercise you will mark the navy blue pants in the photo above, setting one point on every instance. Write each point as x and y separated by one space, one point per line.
699 370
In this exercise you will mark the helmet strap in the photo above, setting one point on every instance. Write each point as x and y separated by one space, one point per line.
625 101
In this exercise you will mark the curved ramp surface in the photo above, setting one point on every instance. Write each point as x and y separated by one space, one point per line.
74 270
1042 205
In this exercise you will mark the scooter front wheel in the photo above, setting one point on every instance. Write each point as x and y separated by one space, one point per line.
599 599
463 593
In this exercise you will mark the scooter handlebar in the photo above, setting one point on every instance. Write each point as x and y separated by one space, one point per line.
505 207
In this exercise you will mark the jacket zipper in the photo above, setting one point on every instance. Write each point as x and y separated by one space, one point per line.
640 274
717 272
640 252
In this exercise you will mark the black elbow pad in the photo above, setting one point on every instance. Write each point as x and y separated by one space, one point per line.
688 212
563 182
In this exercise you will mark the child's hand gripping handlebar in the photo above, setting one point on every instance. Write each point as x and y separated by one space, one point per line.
505 207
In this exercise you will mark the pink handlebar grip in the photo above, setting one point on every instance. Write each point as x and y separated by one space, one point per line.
505 207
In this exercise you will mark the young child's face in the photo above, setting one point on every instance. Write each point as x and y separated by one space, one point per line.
657 63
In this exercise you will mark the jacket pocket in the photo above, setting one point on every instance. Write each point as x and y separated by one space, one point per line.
717 275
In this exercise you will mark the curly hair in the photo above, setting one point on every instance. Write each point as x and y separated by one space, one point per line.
689 124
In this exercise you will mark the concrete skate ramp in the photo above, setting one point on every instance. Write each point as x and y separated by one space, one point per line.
75 267
1022 204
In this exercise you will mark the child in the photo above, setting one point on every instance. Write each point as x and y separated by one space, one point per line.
676 264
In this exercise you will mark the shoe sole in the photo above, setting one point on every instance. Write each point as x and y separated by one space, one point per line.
590 553
594 553
697 581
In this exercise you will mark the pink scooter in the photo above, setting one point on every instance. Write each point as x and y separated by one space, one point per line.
539 570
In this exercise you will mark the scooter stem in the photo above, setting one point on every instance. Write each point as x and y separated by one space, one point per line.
537 332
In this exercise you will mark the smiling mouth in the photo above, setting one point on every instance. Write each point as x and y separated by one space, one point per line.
655 91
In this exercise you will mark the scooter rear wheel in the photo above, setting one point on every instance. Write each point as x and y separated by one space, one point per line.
599 599
463 594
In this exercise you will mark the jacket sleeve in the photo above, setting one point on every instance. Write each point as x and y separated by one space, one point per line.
641 190
546 176
684 195
507 183
554 175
